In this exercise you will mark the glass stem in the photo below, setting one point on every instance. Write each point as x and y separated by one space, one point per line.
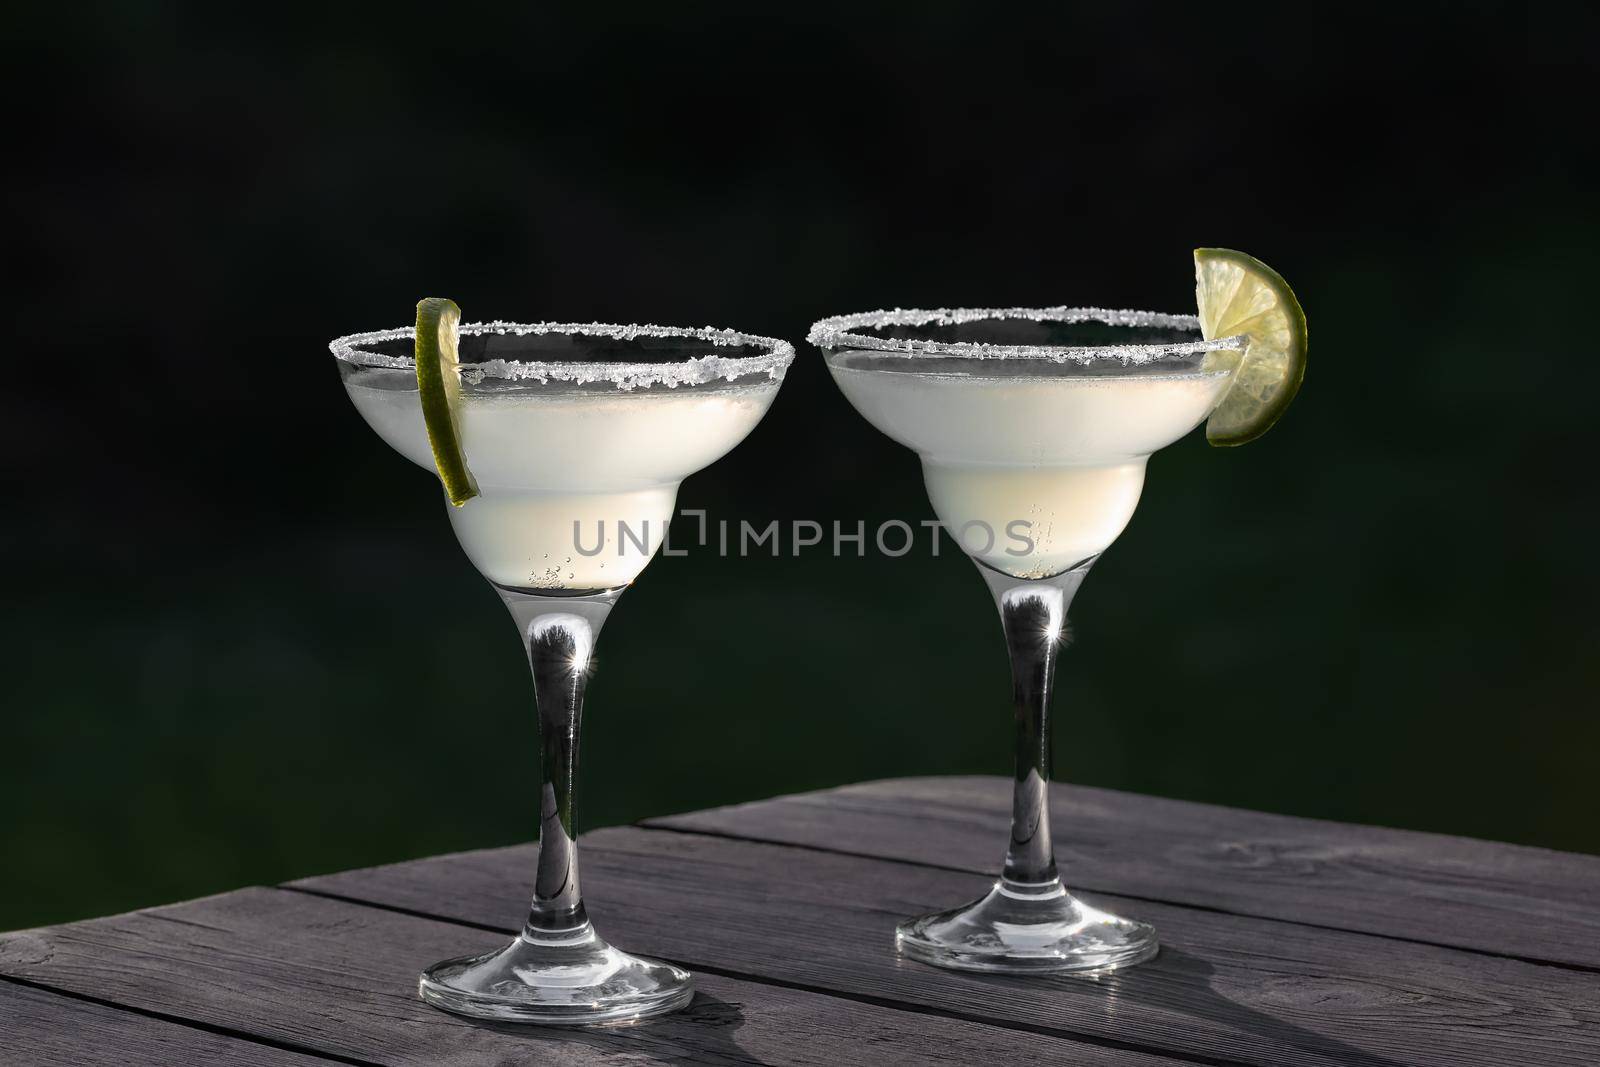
559 633
1033 613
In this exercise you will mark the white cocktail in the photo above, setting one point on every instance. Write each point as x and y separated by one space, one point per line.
576 488
1033 427
1034 466
560 449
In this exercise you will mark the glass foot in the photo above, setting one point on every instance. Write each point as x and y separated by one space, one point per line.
557 978
1026 930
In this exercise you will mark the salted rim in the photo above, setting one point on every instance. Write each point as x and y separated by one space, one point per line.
839 332
696 370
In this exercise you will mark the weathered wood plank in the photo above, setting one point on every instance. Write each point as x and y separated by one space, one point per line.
1528 903
1229 988
40 1029
341 978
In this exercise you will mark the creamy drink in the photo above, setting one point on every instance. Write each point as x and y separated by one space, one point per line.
1034 426
576 488
1032 466
560 448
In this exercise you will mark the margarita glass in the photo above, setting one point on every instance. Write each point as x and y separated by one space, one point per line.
578 437
1034 426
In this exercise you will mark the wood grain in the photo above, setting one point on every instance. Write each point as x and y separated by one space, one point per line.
1527 903
1225 989
40 1029
1286 942
341 978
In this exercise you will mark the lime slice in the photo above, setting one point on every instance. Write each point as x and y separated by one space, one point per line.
439 385
1240 294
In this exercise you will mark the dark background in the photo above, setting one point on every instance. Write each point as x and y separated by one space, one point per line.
241 644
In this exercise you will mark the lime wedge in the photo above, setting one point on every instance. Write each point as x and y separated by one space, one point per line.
1240 294
439 385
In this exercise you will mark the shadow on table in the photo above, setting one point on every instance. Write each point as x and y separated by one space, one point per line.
702 1033
1203 1002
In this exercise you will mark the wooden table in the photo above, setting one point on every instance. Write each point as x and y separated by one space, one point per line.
1285 941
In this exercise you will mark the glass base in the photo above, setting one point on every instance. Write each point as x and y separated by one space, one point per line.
557 978
1025 929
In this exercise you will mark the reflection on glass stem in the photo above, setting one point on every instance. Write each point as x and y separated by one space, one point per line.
1033 614
559 633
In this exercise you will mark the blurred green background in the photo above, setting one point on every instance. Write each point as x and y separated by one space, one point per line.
241 645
